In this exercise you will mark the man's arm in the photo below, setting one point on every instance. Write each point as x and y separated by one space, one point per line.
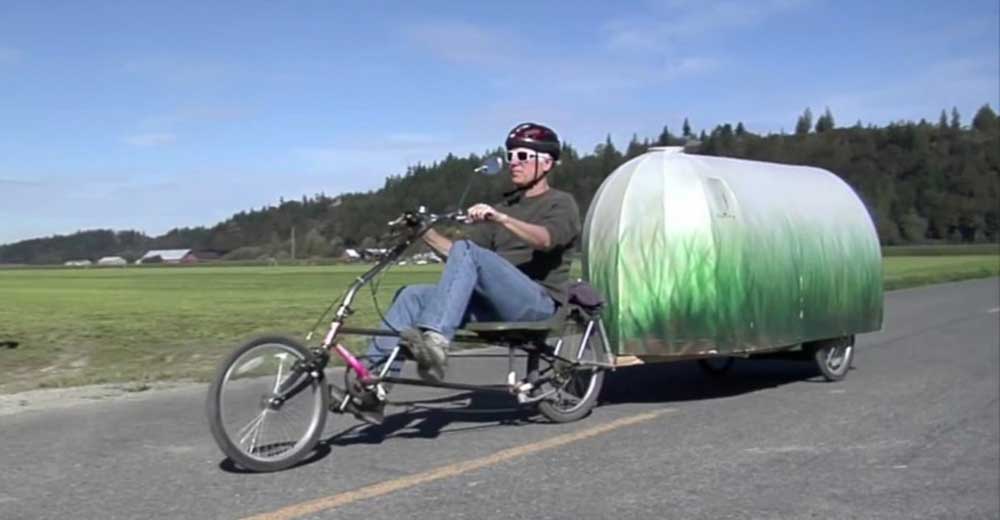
438 242
536 236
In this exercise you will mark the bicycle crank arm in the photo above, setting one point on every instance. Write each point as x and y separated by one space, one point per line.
523 388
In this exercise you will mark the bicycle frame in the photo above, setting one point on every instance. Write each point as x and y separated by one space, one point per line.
365 376
344 310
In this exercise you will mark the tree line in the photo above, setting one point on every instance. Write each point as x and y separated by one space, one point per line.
921 182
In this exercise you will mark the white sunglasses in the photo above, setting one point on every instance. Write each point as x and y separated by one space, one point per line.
524 154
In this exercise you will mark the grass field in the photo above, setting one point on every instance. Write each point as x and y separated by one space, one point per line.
942 250
82 326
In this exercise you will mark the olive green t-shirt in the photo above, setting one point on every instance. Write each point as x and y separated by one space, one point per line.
555 210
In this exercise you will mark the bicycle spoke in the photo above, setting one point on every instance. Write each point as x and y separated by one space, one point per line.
277 378
259 429
243 432
252 428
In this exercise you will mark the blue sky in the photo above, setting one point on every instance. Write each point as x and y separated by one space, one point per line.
154 115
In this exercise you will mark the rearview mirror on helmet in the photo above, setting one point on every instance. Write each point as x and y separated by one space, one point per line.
490 166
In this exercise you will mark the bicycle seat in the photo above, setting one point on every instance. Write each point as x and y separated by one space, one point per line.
584 302
518 330
512 326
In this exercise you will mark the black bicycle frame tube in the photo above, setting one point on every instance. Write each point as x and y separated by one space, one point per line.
451 386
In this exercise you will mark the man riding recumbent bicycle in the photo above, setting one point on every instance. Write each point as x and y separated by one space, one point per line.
508 285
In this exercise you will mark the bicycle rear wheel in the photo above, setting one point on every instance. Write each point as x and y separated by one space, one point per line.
574 389
265 410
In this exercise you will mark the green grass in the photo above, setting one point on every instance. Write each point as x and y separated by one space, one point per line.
910 271
942 250
81 326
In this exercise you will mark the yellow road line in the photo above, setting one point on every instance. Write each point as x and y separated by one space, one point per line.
450 470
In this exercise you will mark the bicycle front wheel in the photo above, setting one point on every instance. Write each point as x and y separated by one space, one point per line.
265 411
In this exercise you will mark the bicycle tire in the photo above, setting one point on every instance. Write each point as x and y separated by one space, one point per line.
252 386
587 381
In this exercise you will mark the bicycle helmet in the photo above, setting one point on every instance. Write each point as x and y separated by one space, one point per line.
534 137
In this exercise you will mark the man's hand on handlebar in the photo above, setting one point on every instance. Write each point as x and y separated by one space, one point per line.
420 221
482 212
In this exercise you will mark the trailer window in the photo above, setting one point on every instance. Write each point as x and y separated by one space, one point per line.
720 198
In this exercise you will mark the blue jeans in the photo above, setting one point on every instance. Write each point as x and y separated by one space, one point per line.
477 285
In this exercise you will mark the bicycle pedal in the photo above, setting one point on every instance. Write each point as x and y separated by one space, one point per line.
339 399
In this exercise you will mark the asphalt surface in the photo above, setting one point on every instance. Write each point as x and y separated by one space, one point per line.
913 432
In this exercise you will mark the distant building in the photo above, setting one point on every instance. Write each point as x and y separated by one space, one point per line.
364 254
78 263
373 253
429 257
168 256
112 260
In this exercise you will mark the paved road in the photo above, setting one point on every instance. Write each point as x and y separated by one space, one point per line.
913 432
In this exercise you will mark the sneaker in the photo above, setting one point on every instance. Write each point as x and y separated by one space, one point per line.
430 349
371 411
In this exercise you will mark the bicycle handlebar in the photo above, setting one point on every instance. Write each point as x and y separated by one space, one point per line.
422 220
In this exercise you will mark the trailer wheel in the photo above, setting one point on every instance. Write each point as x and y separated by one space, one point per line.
716 366
833 356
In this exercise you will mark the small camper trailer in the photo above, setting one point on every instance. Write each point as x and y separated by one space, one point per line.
702 257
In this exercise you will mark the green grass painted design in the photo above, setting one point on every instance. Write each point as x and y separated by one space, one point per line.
689 297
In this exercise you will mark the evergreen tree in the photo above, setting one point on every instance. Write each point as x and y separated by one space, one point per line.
665 138
956 122
686 128
740 130
635 148
985 120
943 120
825 121
804 123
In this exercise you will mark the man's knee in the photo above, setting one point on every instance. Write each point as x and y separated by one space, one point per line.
466 249
412 293
461 247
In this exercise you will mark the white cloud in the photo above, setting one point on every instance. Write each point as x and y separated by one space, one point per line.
150 139
493 53
186 72
691 66
381 157
465 43
196 114
669 25
17 182
408 139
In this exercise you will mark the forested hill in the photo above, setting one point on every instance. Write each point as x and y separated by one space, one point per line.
922 181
